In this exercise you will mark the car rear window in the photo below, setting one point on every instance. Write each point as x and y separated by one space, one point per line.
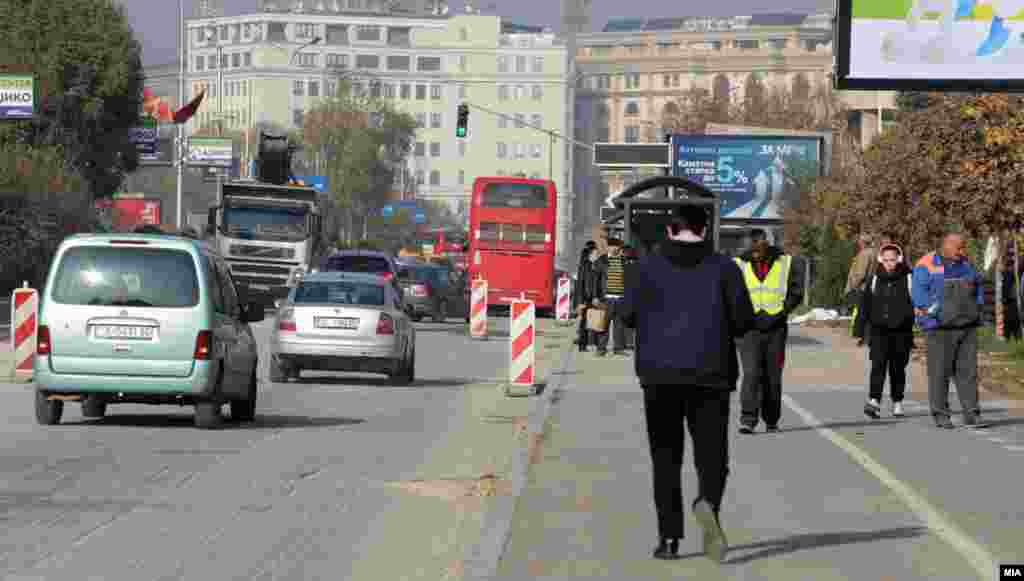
339 293
126 277
435 276
371 264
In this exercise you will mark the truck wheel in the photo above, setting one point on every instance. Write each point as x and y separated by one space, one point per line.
94 406
48 412
208 415
244 410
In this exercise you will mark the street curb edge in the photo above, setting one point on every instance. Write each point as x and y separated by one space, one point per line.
480 562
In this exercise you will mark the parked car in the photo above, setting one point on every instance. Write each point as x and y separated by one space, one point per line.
434 290
342 321
144 318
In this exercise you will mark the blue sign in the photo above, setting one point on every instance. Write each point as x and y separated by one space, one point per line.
421 218
409 206
319 183
752 175
387 211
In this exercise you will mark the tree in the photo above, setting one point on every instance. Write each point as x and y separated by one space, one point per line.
85 54
959 162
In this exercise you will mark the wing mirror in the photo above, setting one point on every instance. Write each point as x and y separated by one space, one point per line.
277 303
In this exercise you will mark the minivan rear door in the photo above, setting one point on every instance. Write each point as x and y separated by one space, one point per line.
123 309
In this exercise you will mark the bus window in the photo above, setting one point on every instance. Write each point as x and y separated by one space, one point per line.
489 231
505 195
535 234
512 233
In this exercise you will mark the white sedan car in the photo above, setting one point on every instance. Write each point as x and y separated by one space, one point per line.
340 321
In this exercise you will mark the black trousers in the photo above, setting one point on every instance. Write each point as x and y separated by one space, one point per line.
890 354
763 356
617 329
705 412
582 333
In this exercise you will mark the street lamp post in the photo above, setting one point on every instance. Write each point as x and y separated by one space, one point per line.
180 141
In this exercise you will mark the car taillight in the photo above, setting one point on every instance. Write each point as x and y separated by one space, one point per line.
43 345
204 346
419 290
385 325
387 276
288 326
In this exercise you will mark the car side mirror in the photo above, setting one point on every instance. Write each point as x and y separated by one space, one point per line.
254 313
277 303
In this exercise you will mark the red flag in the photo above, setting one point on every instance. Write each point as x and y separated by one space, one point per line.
185 113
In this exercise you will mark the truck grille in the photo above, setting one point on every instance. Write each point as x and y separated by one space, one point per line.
262 251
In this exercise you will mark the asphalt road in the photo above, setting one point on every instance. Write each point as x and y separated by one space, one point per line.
306 492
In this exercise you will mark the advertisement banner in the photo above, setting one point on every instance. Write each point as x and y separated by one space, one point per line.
124 212
945 43
210 151
17 96
146 139
752 175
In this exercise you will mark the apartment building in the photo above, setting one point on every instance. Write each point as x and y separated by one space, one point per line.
275 70
632 74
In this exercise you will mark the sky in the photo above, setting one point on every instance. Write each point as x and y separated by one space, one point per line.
150 20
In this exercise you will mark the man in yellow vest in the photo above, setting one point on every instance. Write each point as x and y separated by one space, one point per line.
774 280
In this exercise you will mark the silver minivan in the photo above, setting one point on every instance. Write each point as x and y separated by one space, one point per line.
142 318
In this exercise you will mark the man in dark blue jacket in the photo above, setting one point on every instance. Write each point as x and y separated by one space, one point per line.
688 305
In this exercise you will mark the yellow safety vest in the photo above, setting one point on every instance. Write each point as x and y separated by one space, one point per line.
770 295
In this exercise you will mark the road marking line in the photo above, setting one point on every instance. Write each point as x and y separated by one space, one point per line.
1015 448
978 556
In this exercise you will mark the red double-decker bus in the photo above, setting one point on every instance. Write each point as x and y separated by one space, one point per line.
512 239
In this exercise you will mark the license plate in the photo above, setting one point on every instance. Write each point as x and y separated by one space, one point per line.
123 332
325 323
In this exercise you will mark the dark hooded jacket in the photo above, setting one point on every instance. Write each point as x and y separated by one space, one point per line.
885 303
688 305
584 291
794 290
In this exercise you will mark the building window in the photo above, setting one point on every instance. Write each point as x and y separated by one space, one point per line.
376 89
666 82
223 61
536 150
520 64
462 91
389 91
406 91
435 178
538 120
632 109
339 61
520 151
211 61
419 177
502 122
236 60
462 177
502 150
421 120
519 93
337 34
632 134
538 92
200 61
421 92
462 148
435 92
305 30
503 92
500 172
368 33
420 149
632 81
435 120
367 61
435 149
307 59
463 34
297 117
399 36
461 60
245 88
398 62
314 88
502 64
520 120
538 64
428 63
223 32
298 88
247 59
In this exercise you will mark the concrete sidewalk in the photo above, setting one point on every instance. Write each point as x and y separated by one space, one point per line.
833 496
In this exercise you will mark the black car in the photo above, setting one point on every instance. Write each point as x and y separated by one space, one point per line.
434 290
365 261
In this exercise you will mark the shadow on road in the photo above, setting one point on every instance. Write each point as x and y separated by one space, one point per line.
384 382
795 543
897 421
262 421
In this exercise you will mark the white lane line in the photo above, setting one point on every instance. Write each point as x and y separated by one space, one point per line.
978 556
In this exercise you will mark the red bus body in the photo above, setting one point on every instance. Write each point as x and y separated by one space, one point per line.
512 239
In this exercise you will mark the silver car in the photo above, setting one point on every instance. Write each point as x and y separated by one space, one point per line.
341 321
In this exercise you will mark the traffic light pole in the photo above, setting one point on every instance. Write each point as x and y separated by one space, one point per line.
552 134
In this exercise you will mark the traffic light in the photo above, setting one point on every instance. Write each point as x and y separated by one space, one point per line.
462 127
274 159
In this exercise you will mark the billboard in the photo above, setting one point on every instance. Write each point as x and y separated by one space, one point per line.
930 44
210 151
125 212
146 139
752 174
17 96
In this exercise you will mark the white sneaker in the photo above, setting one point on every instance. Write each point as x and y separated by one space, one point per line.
897 409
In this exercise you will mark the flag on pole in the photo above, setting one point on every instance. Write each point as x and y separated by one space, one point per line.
185 113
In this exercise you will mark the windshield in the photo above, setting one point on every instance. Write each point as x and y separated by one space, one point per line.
514 195
437 277
126 277
340 293
266 223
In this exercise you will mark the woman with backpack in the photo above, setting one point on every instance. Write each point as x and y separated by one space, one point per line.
886 316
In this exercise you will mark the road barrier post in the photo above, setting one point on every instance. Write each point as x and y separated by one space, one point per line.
478 309
522 361
562 305
24 316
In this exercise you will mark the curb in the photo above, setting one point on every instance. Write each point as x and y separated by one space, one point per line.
480 561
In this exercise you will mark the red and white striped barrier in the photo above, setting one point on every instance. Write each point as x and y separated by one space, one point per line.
478 309
24 314
522 320
562 304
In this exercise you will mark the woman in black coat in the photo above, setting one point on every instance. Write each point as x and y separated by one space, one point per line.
583 293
